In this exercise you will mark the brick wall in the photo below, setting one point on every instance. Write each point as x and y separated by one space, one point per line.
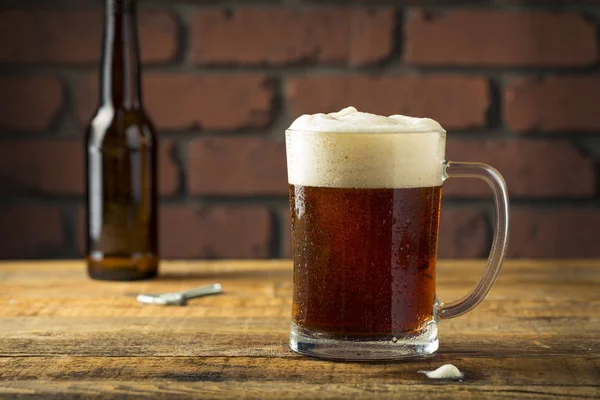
516 83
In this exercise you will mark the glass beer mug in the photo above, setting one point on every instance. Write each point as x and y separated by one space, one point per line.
365 194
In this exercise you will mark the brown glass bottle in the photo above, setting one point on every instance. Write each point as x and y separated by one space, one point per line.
121 161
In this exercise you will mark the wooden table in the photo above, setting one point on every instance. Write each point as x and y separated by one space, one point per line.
537 335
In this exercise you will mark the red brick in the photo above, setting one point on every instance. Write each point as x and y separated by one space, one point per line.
558 103
86 95
455 101
236 166
463 234
168 172
215 232
30 231
75 36
554 233
500 38
30 102
531 168
354 36
186 101
42 166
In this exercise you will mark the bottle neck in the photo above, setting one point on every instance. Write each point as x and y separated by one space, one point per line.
120 62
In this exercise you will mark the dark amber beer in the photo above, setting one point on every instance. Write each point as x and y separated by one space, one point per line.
365 213
364 259
121 155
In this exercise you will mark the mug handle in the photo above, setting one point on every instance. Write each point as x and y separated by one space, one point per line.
451 169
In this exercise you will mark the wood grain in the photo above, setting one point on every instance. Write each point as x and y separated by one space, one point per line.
282 390
564 370
537 335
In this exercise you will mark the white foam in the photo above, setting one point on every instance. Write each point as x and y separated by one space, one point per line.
446 371
350 119
351 149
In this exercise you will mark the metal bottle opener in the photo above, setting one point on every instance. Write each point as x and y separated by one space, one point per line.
179 298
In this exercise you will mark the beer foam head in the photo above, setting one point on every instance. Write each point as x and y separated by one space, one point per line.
352 149
351 120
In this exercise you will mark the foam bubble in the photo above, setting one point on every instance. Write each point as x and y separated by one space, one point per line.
351 149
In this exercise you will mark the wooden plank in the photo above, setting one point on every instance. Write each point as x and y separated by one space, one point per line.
270 344
254 316
279 390
567 371
504 316
274 278
282 287
234 305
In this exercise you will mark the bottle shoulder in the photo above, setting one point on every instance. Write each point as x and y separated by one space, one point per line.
119 127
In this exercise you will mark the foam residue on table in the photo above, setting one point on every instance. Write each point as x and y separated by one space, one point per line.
447 371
